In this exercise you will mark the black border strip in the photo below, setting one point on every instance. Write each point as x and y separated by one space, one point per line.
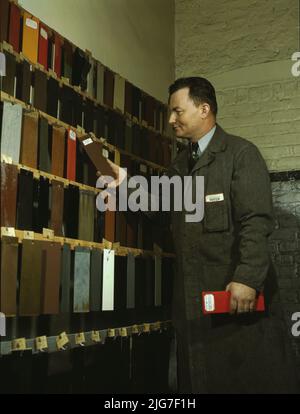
285 175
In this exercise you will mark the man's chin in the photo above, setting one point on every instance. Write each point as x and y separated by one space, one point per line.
178 133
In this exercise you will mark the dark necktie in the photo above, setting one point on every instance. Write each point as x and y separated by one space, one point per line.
195 153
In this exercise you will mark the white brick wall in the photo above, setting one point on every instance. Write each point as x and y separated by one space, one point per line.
244 47
269 116
212 36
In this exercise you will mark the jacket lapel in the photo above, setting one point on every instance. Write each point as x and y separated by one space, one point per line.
181 163
217 144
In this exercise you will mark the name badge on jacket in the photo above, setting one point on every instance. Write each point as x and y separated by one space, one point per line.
212 198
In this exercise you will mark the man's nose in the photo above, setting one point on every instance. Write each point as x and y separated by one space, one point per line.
172 118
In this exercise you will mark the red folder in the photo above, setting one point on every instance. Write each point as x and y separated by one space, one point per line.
109 225
95 151
57 55
14 27
4 19
43 46
219 302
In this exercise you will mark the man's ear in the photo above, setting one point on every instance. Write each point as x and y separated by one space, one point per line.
205 110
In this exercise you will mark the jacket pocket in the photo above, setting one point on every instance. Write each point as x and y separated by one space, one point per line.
216 216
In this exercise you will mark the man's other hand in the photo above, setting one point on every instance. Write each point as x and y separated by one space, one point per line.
243 298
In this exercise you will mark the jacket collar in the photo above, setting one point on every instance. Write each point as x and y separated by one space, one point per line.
217 144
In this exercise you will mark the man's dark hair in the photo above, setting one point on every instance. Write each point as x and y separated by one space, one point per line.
200 91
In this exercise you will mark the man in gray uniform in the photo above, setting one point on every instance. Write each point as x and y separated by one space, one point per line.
245 351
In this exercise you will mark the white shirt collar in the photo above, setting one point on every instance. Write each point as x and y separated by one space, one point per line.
205 140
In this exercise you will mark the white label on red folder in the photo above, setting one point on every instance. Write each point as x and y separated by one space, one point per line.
31 23
72 135
44 34
209 302
212 198
87 141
